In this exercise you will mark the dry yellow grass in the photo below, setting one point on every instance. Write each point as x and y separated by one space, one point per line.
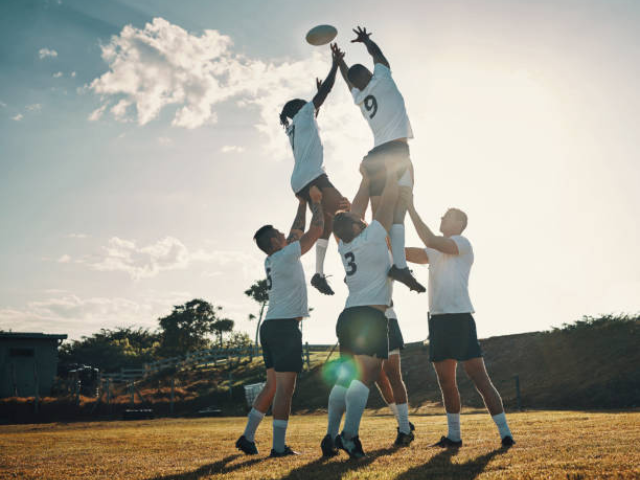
551 444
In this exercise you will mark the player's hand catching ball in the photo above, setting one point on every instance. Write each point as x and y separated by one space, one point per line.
336 53
315 194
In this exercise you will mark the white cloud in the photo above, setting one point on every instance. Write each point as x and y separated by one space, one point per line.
97 113
119 110
46 52
17 117
64 258
73 74
162 64
57 75
34 107
165 141
232 149
142 262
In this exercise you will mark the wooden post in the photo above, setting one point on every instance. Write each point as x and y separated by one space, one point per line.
308 359
173 387
230 385
109 395
37 399
132 393
518 397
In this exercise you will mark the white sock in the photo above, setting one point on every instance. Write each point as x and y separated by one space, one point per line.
501 423
397 245
253 421
453 421
356 399
337 406
403 418
279 432
394 409
321 250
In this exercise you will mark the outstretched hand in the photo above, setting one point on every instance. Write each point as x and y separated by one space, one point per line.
336 53
318 83
361 35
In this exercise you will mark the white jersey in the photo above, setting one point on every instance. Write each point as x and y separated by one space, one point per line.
449 279
383 107
307 147
286 284
367 261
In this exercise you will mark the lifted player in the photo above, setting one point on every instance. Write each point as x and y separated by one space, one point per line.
362 325
383 107
452 329
308 170
280 333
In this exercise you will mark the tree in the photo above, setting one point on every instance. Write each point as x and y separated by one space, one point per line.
260 293
187 327
222 326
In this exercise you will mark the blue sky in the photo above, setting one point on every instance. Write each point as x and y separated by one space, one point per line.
123 194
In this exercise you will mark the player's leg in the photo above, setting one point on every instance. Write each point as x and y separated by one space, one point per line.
384 387
446 373
394 373
285 385
358 393
246 443
477 372
331 200
337 404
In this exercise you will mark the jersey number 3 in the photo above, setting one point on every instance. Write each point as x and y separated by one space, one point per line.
351 263
371 105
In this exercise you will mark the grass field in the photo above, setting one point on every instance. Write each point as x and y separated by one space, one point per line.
551 444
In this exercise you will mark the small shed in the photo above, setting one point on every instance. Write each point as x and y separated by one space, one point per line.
27 361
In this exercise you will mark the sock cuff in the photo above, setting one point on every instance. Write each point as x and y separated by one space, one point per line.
256 413
402 406
500 416
453 416
322 242
280 423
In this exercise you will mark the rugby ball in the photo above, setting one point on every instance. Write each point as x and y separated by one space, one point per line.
321 35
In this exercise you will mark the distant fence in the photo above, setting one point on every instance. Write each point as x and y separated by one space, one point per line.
199 359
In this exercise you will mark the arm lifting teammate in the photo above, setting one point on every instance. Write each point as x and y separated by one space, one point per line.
280 334
298 117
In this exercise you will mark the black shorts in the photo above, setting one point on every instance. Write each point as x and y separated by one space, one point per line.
396 342
321 182
363 331
375 164
453 336
282 345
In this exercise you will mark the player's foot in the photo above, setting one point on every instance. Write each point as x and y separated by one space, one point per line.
353 446
285 453
247 447
508 441
404 439
328 447
404 275
319 281
446 442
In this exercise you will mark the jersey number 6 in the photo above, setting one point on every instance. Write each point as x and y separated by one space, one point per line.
351 263
371 105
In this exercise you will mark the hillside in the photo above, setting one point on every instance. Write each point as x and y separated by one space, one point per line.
593 366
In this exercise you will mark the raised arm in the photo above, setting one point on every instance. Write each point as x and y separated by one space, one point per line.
416 255
325 87
297 228
344 70
362 36
437 242
388 200
317 221
361 200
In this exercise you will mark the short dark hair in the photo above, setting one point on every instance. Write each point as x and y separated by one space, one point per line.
263 238
356 74
290 109
342 226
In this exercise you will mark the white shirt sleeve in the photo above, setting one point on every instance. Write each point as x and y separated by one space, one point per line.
355 93
292 252
380 70
376 232
464 246
432 253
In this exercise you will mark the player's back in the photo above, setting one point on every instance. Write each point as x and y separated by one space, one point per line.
286 284
366 261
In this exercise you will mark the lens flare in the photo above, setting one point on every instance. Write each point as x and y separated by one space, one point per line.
341 370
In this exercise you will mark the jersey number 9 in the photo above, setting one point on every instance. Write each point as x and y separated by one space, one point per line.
371 105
